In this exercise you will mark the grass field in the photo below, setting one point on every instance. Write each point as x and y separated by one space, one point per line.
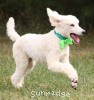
43 84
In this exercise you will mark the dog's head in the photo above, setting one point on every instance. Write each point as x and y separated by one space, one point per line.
66 25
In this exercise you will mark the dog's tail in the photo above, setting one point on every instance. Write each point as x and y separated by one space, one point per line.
11 30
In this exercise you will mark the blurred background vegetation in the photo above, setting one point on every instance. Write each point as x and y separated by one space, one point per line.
31 16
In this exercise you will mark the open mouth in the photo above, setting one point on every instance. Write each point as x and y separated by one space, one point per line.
75 38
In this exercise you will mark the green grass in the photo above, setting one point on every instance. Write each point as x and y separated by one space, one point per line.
43 80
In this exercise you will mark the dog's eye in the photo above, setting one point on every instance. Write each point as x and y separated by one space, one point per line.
71 24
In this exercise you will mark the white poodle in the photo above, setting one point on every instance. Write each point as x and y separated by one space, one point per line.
52 47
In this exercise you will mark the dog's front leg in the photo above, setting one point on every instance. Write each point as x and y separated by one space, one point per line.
55 65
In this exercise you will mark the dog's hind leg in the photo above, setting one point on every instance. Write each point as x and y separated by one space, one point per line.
21 61
23 65
31 65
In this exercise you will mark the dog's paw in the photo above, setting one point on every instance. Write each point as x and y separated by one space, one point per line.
19 85
74 79
16 83
74 84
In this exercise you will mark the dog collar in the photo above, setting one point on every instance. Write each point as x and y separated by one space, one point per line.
63 40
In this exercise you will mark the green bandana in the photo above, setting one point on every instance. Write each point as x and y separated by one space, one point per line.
63 40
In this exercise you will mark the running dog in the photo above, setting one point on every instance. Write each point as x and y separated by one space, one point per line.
52 47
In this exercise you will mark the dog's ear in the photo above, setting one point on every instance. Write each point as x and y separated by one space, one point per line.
54 17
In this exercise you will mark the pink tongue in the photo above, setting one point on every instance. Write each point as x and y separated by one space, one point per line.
75 38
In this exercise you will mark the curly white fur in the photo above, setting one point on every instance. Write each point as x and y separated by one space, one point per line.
31 48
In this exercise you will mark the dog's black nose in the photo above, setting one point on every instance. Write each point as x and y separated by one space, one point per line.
83 32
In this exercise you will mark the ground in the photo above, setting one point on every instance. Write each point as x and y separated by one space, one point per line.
43 84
